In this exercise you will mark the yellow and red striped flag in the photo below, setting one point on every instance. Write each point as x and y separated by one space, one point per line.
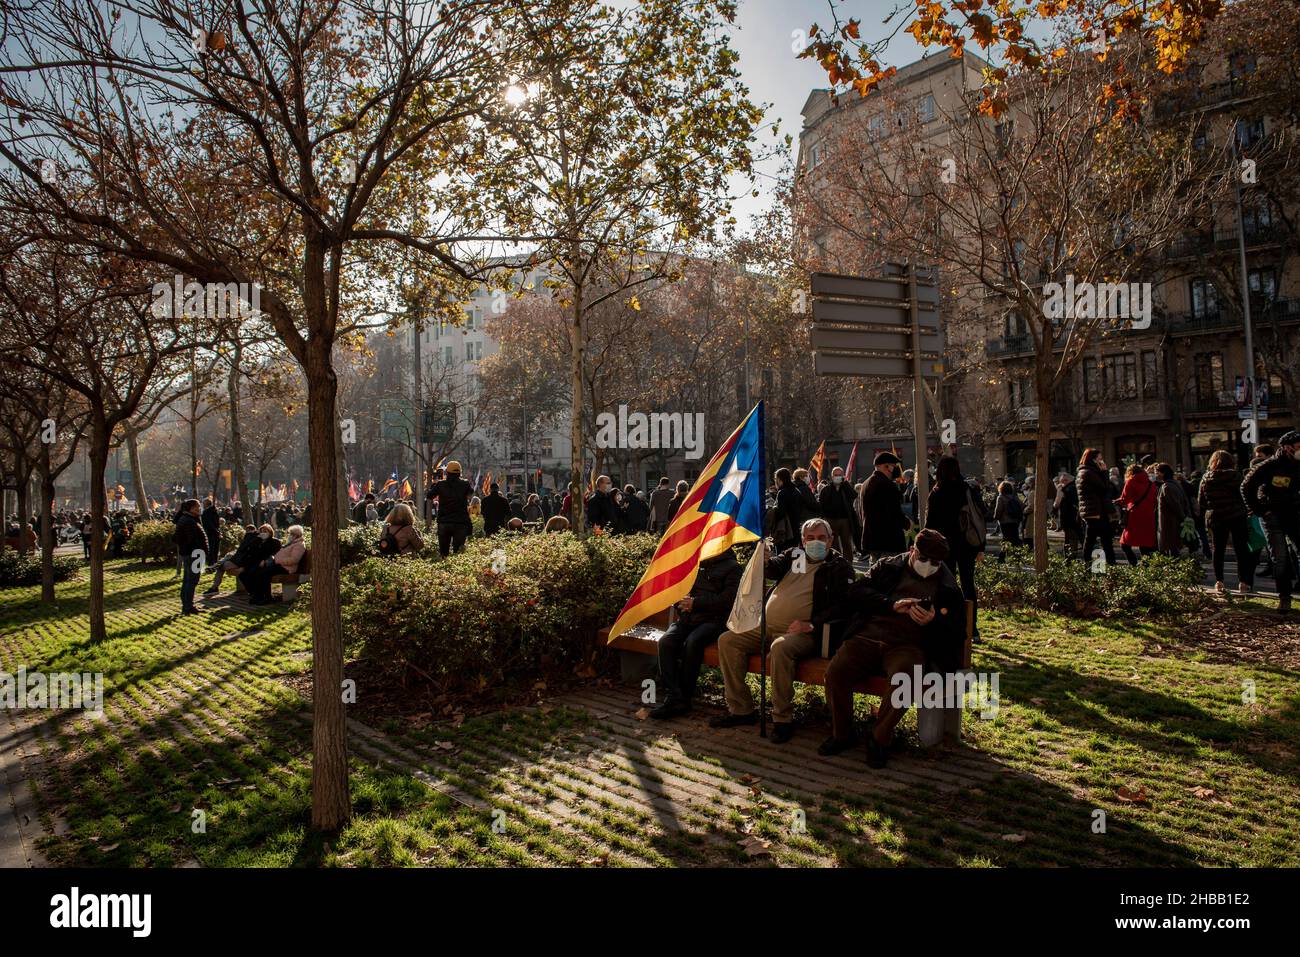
818 462
407 491
723 508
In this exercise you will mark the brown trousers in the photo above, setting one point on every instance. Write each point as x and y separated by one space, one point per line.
857 659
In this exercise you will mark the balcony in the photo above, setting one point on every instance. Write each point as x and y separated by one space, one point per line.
1204 97
1187 323
1005 347
1225 403
1222 240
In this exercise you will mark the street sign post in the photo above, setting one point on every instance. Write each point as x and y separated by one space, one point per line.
883 327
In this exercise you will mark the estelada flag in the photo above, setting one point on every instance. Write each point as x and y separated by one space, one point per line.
723 508
818 460
407 491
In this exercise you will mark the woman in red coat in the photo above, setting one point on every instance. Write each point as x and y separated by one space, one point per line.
1139 497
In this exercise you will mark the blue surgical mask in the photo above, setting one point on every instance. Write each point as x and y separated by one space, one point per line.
816 550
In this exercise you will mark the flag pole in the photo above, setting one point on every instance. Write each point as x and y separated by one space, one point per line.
762 591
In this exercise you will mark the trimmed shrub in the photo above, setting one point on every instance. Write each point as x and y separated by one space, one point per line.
152 541
460 625
17 570
1159 585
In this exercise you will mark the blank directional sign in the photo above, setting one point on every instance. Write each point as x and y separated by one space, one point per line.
866 340
829 285
899 367
875 314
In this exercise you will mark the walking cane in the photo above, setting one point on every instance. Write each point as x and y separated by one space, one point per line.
762 650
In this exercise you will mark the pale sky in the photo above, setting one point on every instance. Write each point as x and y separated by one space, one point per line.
764 38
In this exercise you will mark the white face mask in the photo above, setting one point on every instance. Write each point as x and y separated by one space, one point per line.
263 535
924 568
837 479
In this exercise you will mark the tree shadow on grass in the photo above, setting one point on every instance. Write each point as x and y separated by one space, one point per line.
1161 722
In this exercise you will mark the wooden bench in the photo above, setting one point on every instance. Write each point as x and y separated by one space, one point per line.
289 583
644 639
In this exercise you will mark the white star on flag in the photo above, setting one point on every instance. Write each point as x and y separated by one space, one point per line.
734 480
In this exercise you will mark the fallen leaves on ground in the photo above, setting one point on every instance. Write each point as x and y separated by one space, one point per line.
1130 796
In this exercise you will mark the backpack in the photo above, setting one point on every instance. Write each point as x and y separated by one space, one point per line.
972 523
388 542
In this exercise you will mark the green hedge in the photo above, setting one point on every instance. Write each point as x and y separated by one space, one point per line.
460 625
18 570
154 541
1159 585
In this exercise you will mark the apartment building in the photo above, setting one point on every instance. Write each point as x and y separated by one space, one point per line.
1178 389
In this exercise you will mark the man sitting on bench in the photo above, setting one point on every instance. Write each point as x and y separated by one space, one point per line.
702 617
907 611
796 610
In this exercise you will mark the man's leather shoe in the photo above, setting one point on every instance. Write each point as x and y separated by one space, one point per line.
781 733
670 709
833 746
733 720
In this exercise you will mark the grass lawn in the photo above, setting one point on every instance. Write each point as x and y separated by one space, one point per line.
1140 722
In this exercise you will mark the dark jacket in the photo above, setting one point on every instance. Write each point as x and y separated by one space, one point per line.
1172 508
636 514
453 495
943 514
189 535
872 597
1068 510
837 502
495 512
1094 492
246 554
211 522
788 512
834 574
808 499
602 511
1220 497
883 521
1273 486
714 591
675 503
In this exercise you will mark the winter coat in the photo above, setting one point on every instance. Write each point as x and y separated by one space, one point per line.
1094 492
453 494
1139 497
636 515
1220 497
495 511
1172 508
1273 486
602 511
788 513
714 591
943 514
660 499
834 574
883 521
872 597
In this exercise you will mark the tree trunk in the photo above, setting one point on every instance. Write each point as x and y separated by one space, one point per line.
578 459
98 463
331 804
24 503
47 527
133 455
236 434
1042 482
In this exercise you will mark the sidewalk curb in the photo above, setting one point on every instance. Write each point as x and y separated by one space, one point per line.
20 826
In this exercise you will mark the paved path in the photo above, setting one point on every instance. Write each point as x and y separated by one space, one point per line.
19 822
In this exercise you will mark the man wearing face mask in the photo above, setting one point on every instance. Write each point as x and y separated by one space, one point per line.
796 610
837 502
1272 491
907 611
